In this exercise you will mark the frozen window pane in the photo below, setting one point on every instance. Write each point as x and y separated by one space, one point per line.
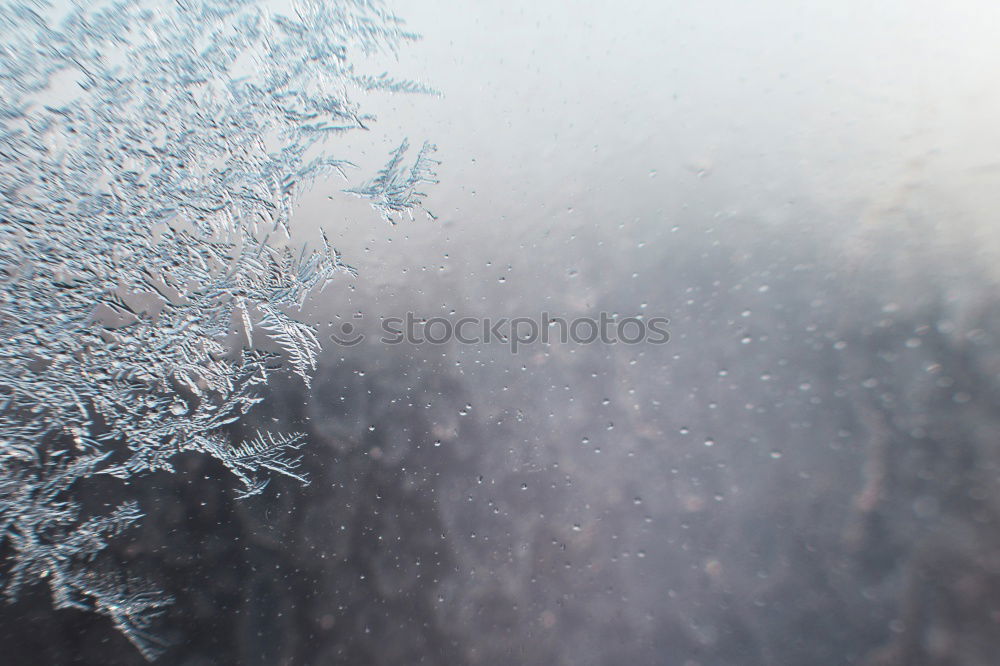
679 345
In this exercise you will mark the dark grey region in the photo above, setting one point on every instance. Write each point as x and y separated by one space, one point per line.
468 506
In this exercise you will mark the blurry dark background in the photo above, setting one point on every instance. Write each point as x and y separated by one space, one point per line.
805 474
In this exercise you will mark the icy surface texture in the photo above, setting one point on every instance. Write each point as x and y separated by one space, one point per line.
148 152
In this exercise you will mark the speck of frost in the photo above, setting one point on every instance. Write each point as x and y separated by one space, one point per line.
150 154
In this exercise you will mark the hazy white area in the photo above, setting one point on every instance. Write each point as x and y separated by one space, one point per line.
557 117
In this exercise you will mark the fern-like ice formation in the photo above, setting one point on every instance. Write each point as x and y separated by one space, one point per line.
148 151
392 191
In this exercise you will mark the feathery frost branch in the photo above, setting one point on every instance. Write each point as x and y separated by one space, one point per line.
393 191
149 152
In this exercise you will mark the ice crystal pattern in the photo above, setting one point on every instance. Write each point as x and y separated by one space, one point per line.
150 155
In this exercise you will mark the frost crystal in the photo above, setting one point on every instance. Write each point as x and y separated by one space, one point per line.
392 192
149 151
